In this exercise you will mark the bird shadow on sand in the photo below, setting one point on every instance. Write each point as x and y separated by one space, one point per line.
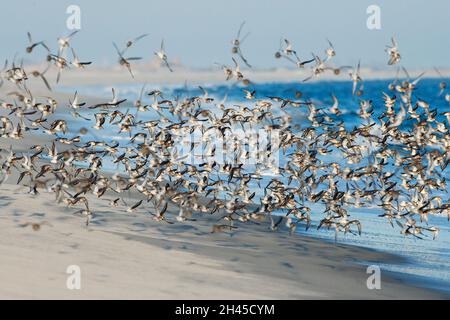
5 201
180 228
37 214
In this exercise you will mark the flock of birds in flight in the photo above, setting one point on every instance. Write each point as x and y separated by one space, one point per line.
399 169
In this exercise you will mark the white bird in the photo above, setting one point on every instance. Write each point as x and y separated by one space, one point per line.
64 42
394 55
161 54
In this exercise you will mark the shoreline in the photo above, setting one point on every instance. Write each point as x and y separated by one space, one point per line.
398 260
184 257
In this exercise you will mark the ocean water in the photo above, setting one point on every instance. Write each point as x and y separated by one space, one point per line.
426 258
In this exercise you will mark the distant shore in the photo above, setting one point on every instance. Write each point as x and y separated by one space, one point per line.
117 74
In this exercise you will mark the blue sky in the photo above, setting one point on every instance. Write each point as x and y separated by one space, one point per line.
199 32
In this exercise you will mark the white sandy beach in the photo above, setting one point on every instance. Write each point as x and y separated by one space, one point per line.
131 256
